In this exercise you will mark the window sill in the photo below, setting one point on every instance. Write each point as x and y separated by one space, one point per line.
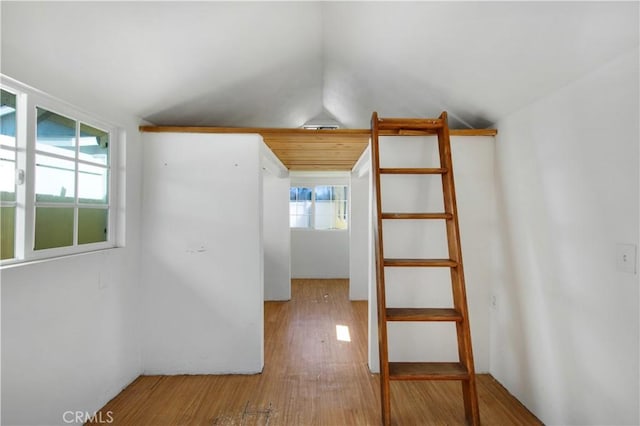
10 264
317 230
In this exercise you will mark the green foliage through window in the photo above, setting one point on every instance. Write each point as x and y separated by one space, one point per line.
72 169
7 174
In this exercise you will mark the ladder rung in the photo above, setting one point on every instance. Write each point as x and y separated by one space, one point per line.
432 263
427 371
413 171
417 215
409 123
423 314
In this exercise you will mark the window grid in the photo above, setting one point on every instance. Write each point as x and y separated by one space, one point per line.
89 210
78 203
326 207
300 207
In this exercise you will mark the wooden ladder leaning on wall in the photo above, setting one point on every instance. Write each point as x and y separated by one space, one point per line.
463 370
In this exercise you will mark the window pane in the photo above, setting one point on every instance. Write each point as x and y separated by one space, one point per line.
94 145
296 193
56 134
92 225
55 180
93 182
325 218
7 232
300 207
324 193
300 214
7 118
54 227
335 192
7 175
331 207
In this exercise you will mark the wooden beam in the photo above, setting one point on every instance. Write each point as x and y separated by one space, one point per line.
259 130
304 149
315 167
346 133
315 145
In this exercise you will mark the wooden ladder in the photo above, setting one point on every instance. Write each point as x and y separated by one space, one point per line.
463 370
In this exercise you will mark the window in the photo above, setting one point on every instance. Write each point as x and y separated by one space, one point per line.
71 182
318 207
300 207
7 174
56 183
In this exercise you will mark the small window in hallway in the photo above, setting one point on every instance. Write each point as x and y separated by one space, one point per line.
319 207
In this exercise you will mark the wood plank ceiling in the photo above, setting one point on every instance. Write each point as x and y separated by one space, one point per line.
310 150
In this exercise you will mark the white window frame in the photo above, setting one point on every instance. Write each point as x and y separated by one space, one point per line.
313 215
313 179
27 100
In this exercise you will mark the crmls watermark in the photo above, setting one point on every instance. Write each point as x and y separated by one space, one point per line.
83 417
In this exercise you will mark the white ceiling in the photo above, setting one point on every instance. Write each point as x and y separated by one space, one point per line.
280 64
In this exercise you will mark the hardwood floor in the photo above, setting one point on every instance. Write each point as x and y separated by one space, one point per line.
310 378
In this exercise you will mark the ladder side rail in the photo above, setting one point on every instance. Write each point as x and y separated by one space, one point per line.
385 390
465 350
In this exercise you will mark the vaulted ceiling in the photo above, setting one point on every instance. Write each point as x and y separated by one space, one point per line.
270 64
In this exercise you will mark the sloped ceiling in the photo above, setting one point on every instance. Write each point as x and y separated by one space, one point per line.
270 64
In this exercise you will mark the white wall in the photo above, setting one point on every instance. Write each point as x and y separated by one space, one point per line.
319 253
70 325
565 328
372 321
202 276
473 159
359 229
277 241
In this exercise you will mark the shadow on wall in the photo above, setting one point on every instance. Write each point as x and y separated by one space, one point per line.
226 106
526 314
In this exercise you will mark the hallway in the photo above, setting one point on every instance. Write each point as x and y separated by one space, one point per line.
315 373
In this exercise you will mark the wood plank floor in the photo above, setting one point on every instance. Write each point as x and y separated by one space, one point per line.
310 378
